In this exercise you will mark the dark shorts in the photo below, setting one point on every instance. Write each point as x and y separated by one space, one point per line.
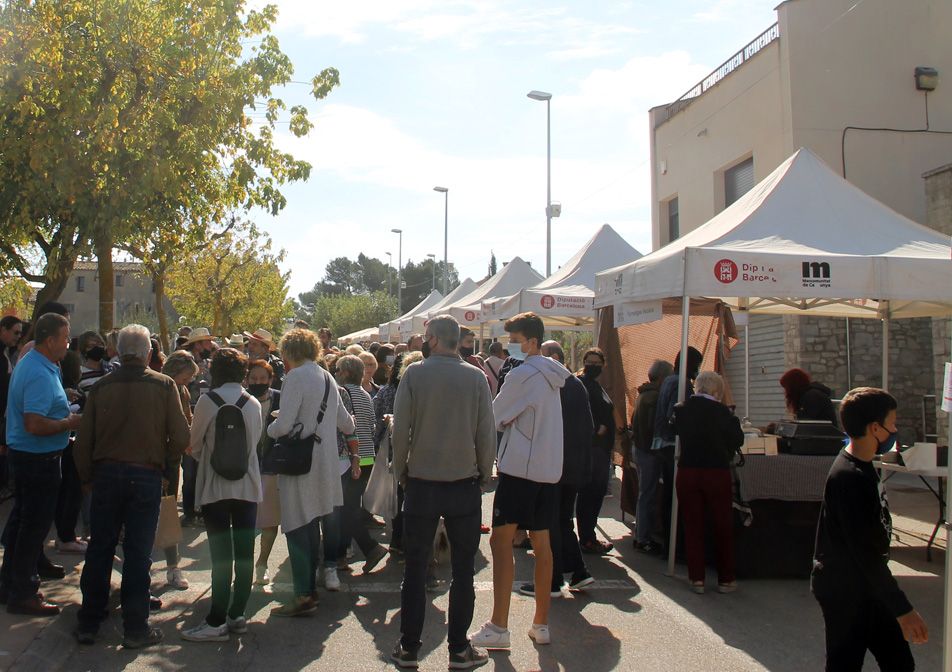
528 504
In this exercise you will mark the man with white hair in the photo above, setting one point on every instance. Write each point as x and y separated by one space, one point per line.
132 425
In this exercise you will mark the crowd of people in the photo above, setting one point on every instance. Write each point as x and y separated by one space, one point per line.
258 435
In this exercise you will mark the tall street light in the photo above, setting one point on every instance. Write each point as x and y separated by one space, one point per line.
389 273
399 233
446 230
547 97
433 257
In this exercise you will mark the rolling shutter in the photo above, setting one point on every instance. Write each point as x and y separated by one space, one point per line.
767 364
738 181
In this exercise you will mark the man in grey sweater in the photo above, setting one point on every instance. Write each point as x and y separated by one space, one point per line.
444 443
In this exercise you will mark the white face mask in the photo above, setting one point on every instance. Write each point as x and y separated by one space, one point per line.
390 359
515 351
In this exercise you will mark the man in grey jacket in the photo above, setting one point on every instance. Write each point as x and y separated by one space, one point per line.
444 442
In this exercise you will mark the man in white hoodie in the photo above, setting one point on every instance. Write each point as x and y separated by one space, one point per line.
528 409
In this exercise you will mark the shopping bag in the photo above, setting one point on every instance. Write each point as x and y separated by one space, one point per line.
380 496
169 531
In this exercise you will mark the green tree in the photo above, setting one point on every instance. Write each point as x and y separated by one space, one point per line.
492 263
344 314
233 285
115 115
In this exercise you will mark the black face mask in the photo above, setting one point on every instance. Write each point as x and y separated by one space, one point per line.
425 349
258 389
96 353
593 370
465 352
204 354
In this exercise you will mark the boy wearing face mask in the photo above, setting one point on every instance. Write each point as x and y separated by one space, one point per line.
863 606
92 348
591 496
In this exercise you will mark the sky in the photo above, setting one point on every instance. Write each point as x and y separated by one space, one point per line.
434 93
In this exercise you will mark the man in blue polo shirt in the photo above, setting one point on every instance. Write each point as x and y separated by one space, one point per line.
38 426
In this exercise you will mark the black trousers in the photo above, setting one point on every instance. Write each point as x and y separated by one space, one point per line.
566 554
459 504
231 540
70 498
591 496
855 624
353 525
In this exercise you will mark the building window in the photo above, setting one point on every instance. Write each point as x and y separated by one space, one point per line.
674 220
738 181
80 283
118 279
70 308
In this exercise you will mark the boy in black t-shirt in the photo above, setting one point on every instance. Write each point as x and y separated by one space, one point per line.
863 606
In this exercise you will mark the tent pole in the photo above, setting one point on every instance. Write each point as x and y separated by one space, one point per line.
682 392
885 318
849 358
747 369
947 636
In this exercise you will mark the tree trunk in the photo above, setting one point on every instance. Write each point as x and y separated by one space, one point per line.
107 279
57 275
158 282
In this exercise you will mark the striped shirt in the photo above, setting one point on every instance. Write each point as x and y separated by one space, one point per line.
363 412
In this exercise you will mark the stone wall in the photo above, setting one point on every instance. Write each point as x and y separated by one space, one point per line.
819 346
938 184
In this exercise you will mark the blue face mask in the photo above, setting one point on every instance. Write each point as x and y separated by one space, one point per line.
515 351
887 445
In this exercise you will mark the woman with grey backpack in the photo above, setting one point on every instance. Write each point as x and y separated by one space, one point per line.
225 432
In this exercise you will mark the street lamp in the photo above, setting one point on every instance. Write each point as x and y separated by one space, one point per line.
433 257
389 273
547 97
446 231
399 233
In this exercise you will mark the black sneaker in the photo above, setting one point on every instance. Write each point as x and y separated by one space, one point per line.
581 581
468 658
403 658
155 604
85 637
529 589
648 547
150 637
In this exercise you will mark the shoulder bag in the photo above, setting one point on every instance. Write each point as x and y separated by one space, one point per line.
291 454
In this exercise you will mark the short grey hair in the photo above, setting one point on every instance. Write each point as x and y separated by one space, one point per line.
445 328
660 369
134 342
710 383
350 369
553 348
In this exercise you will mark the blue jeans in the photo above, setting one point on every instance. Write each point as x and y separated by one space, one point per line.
304 548
459 504
649 473
36 481
189 474
125 497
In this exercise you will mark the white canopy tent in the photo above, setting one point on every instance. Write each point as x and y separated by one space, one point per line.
565 300
369 334
417 323
803 241
390 331
515 275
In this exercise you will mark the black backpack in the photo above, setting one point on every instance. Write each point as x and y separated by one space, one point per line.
230 457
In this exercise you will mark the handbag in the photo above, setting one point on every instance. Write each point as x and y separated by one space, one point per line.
380 495
169 530
292 453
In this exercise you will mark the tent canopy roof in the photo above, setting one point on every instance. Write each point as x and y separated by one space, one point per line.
431 299
802 239
514 276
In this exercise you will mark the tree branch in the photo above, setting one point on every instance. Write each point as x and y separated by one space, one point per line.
20 265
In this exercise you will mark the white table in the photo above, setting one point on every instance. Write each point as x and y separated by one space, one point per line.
941 475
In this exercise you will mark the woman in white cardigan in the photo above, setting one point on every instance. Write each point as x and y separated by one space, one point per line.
228 506
305 498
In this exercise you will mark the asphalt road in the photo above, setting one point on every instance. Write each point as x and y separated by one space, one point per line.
634 618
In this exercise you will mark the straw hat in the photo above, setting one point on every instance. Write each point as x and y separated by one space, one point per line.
236 341
261 336
199 334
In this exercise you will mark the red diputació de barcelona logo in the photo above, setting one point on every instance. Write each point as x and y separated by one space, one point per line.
725 271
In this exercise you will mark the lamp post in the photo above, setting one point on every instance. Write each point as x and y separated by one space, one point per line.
433 257
399 233
547 97
389 273
446 231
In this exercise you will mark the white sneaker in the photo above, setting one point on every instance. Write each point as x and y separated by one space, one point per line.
261 576
76 546
331 580
206 633
175 578
239 625
540 634
489 637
